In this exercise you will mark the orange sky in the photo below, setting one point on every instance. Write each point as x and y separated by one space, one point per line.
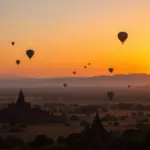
67 35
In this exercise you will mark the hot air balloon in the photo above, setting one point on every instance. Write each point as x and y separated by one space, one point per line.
84 66
30 53
17 62
74 72
13 43
122 36
89 64
65 84
129 86
110 95
110 70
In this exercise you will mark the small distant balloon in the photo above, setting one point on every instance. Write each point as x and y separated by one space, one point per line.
89 64
74 72
129 86
65 84
17 62
122 36
110 95
110 70
12 43
30 53
84 66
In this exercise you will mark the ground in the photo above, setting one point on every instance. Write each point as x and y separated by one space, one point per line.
55 130
79 96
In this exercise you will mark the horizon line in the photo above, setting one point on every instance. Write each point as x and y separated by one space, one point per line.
32 77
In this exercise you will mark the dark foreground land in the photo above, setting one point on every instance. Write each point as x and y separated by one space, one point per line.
93 136
122 123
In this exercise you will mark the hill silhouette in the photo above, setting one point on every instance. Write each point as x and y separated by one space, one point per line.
114 80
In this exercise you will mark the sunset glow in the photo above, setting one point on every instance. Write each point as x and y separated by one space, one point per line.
66 35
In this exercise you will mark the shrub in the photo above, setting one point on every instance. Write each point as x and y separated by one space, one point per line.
73 118
13 142
41 140
116 123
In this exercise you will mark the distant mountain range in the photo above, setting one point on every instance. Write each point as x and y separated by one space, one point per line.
115 80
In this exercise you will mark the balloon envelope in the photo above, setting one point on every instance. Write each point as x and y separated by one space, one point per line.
74 72
84 66
122 36
13 43
110 70
30 53
64 84
17 62
110 95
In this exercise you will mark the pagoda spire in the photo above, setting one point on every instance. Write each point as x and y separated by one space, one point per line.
97 120
21 97
97 125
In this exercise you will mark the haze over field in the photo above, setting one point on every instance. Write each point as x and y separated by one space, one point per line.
83 90
96 81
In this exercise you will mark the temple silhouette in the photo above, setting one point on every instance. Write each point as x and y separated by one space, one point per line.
23 112
92 135
96 128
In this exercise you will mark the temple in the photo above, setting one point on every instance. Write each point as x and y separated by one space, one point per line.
97 127
92 132
22 111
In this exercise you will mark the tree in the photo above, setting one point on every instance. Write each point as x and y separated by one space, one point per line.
13 142
60 139
41 140
12 123
116 123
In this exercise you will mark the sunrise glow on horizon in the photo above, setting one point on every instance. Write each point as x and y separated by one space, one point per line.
66 35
